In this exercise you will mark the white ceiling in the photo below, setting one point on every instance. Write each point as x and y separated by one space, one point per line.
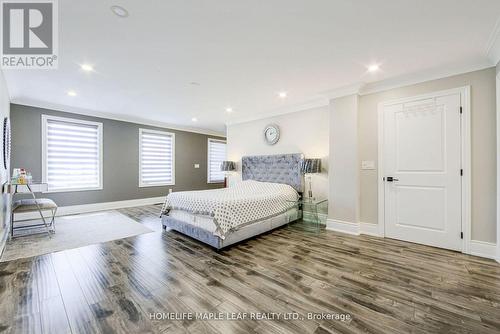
243 53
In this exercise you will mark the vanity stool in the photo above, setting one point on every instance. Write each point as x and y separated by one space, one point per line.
34 205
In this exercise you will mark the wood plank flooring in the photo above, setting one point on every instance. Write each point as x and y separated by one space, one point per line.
134 285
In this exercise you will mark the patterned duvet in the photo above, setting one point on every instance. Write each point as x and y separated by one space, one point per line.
244 203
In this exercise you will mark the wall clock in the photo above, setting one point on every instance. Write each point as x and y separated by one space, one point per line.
6 143
272 134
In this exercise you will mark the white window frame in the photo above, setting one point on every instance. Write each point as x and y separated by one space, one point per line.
45 119
208 158
142 185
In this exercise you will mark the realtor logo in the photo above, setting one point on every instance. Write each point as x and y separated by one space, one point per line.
29 34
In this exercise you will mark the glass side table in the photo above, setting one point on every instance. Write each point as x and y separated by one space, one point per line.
314 212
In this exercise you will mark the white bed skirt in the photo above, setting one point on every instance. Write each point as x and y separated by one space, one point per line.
203 228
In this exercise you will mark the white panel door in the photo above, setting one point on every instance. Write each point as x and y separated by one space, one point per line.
422 155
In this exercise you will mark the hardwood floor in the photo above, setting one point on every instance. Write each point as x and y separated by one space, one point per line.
385 286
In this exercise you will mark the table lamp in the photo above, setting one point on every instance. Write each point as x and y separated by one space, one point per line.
227 166
308 167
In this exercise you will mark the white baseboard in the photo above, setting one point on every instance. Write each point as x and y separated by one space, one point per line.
84 208
353 228
483 249
342 226
370 229
477 248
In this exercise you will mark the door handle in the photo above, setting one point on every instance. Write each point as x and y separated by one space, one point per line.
391 179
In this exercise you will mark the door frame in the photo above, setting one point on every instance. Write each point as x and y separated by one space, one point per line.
465 145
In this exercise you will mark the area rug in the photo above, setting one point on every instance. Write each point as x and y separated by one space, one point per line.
72 232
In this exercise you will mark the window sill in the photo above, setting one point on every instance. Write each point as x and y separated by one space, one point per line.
156 185
71 190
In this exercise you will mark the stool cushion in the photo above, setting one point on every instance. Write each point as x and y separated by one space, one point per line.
27 205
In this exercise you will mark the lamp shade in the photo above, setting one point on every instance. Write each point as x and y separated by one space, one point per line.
310 166
228 166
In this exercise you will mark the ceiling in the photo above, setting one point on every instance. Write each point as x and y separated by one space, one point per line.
242 53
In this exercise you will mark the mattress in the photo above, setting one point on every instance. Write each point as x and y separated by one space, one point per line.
230 208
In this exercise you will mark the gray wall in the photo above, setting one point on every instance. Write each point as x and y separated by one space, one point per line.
120 157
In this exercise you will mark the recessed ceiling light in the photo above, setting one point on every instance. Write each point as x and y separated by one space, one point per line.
71 93
119 11
229 110
282 95
194 119
87 67
373 68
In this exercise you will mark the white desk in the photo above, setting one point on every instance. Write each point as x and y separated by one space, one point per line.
32 188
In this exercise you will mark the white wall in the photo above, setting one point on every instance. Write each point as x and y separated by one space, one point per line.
4 112
301 132
483 132
498 158
4 174
313 133
343 168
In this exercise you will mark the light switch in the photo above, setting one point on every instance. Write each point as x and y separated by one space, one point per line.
367 165
196 165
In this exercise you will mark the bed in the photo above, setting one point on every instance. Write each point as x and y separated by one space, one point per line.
262 201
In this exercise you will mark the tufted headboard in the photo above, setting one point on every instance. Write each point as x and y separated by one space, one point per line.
280 168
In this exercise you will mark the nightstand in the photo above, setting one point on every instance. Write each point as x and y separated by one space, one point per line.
314 212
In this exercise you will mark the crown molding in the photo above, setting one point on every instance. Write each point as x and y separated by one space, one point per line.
344 91
422 76
115 117
321 100
493 45
318 102
362 88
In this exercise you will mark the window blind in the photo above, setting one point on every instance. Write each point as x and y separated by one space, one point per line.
156 150
216 154
72 154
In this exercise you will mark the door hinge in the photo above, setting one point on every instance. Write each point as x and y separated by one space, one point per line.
461 235
461 172
461 111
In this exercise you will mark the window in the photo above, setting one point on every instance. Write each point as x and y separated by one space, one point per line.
71 154
216 154
156 158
